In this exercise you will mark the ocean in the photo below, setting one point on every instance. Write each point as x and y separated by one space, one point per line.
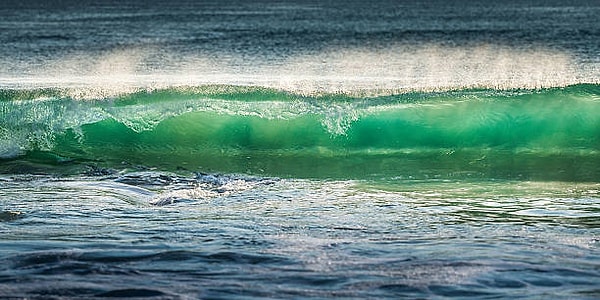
299 149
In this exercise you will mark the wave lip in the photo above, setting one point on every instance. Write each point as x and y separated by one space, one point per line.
242 129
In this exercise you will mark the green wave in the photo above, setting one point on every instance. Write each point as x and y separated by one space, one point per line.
549 134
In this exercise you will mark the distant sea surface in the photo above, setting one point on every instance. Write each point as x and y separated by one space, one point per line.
299 149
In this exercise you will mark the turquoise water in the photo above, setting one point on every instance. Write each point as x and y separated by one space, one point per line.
237 192
550 134
299 149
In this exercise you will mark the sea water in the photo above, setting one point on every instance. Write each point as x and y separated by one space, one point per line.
299 149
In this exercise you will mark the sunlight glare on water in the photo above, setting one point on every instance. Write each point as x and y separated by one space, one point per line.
299 149
317 238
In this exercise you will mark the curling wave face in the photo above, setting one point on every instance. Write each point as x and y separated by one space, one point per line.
542 134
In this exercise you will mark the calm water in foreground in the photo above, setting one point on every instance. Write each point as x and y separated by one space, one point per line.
299 149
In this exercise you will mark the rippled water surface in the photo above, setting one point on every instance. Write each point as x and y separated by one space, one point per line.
292 149
167 236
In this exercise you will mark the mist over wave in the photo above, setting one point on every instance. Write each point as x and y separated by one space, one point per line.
386 70
234 149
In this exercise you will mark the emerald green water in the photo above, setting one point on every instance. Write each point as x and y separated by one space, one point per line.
307 149
550 134
236 192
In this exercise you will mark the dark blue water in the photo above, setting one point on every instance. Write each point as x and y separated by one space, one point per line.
390 44
298 238
402 149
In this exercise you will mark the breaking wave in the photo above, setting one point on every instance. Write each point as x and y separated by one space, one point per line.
549 133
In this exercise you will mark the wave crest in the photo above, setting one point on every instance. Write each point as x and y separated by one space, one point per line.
246 129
